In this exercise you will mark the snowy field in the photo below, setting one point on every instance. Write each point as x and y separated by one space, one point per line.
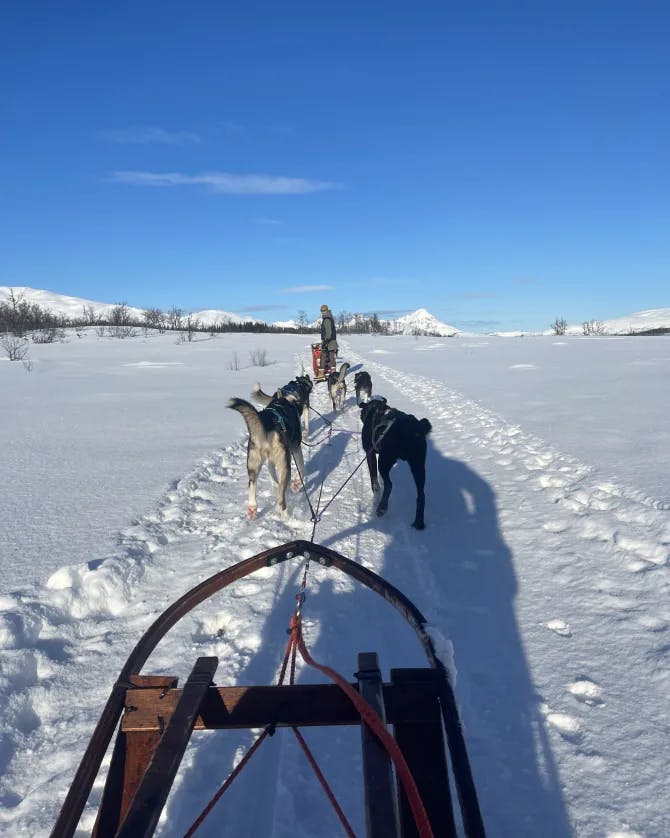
545 562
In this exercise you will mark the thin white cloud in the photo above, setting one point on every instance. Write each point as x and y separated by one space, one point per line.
150 135
303 289
271 222
226 183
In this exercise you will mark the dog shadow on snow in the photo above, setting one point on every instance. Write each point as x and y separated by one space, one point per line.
460 573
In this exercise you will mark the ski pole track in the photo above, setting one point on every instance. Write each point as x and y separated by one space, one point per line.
608 604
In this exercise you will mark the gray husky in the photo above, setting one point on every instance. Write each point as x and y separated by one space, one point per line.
274 435
337 387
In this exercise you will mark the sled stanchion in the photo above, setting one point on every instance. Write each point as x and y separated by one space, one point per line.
422 742
380 816
130 758
147 804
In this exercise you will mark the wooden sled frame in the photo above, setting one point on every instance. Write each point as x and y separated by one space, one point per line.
150 745
320 374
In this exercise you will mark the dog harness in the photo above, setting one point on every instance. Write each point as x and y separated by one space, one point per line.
290 389
382 426
279 416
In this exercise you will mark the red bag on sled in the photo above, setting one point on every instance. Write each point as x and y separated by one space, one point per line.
319 374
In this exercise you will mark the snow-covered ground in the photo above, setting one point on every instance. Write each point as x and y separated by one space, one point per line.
545 561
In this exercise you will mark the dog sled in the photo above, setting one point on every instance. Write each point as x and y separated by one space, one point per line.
320 373
407 778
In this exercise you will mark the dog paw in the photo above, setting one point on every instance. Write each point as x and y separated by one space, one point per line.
381 510
251 513
418 525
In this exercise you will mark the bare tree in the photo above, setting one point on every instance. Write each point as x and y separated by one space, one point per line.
259 358
121 322
593 327
234 363
301 319
343 318
174 318
559 326
120 315
192 325
154 318
14 347
90 316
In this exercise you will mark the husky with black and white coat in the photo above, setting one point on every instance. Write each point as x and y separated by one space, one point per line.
275 437
296 391
337 386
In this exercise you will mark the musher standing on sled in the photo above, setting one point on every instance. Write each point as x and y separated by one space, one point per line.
329 346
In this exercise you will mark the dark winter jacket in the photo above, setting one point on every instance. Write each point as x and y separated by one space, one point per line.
328 334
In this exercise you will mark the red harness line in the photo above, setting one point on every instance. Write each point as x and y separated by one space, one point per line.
377 726
296 643
290 654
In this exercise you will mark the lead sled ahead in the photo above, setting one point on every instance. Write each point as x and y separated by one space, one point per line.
320 373
407 773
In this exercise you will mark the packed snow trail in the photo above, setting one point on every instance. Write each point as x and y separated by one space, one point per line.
602 611
495 571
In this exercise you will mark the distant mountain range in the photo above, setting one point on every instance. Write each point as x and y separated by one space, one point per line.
419 322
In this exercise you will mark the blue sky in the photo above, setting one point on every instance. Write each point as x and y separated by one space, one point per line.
499 163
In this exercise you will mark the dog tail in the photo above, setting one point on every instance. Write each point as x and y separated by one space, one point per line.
343 371
425 427
260 396
249 414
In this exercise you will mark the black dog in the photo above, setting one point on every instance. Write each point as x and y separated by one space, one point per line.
363 385
394 435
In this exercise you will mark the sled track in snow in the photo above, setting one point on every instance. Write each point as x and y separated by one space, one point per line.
563 480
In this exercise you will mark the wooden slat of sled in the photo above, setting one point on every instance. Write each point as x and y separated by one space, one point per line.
303 705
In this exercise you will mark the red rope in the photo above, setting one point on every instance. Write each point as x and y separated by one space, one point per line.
212 803
290 648
377 726
324 783
290 654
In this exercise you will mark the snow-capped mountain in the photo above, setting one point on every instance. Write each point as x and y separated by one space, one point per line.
73 307
639 321
421 322
211 316
70 307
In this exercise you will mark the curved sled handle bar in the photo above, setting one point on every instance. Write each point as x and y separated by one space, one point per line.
76 798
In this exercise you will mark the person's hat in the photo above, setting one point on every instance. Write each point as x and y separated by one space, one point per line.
324 308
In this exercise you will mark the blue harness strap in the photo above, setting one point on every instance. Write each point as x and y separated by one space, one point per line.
281 419
289 389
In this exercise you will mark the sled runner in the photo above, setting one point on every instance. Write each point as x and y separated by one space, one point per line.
319 373
406 778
